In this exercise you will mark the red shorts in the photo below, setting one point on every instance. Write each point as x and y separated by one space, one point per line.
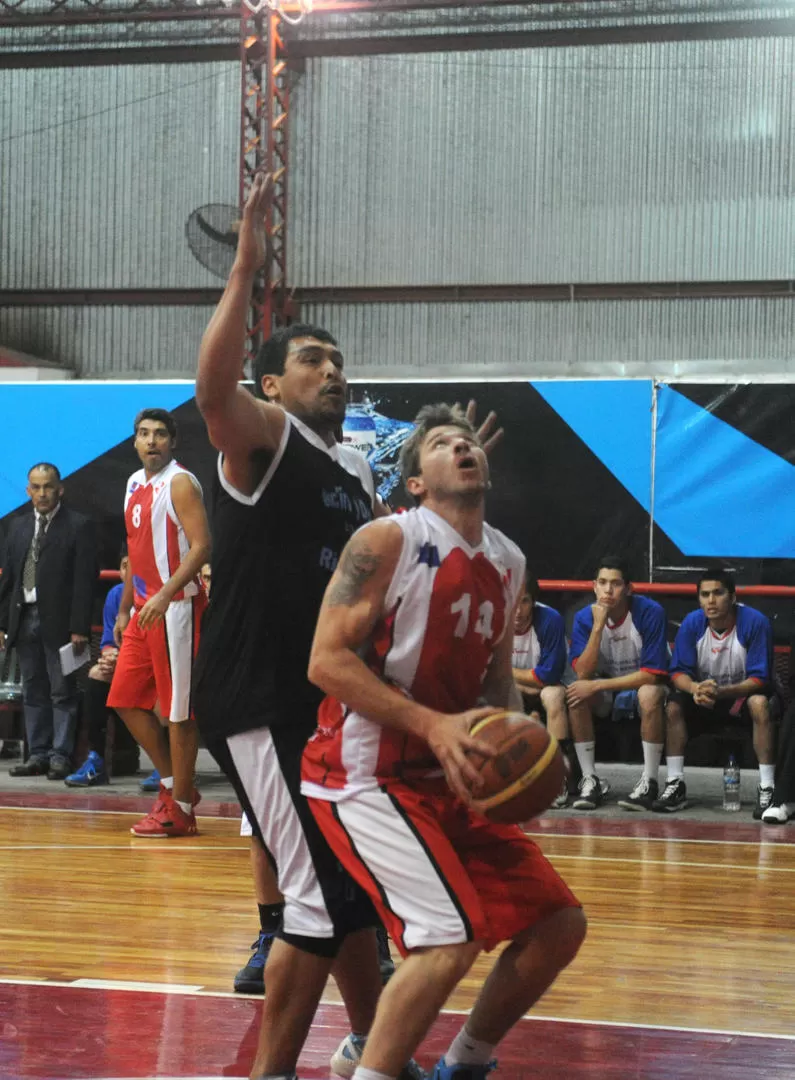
438 873
156 664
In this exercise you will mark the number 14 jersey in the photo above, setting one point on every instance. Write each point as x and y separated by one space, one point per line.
447 608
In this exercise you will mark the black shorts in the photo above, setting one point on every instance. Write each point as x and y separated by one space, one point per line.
322 903
725 711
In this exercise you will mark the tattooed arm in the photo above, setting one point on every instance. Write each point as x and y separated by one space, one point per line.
354 602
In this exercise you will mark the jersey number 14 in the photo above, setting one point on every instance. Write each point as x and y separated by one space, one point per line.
483 623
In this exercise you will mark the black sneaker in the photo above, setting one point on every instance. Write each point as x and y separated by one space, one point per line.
643 795
32 767
764 800
251 978
590 793
59 770
674 797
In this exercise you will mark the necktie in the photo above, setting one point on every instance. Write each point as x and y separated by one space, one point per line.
29 570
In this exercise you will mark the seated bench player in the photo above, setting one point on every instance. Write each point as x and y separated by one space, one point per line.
722 666
95 770
618 643
539 659
415 631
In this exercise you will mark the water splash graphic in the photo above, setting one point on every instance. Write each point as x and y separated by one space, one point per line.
380 438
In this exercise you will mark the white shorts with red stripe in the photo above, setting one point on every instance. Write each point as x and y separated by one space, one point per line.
437 872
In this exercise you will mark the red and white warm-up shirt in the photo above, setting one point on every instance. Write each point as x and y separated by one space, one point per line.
447 608
156 541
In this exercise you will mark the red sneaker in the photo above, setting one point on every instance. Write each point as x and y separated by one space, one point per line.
166 818
167 793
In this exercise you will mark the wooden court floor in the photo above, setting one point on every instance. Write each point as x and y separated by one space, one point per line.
688 968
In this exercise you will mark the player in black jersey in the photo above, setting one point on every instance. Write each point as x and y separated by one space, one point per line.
286 499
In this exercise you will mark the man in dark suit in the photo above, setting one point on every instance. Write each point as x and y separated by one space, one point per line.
46 598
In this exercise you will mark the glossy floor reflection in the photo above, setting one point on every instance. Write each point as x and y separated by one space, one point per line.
690 929
62 1033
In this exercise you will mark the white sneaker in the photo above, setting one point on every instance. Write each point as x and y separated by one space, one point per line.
778 815
349 1053
347 1056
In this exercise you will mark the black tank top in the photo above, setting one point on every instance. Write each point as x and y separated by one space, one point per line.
273 555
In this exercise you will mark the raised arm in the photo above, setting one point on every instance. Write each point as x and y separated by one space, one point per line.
354 602
237 422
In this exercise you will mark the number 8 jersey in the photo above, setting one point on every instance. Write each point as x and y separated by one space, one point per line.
445 612
156 541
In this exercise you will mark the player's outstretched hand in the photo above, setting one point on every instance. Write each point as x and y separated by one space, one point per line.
451 743
488 432
252 241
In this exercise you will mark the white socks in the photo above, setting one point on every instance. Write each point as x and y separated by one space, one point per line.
586 755
676 768
767 775
370 1074
185 807
652 756
464 1050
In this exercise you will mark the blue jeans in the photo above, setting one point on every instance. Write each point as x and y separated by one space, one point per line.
48 696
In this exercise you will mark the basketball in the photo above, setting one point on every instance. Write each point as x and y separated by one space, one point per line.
525 774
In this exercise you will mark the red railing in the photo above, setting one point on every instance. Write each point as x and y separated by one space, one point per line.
666 588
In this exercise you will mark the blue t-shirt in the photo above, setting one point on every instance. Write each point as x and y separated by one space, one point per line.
637 643
745 651
543 648
109 613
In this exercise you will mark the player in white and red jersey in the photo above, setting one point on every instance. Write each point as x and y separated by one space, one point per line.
168 541
416 632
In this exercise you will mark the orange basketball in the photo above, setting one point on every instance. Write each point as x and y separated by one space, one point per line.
525 774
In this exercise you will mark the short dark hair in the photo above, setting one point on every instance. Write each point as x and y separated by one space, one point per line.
614 562
161 416
428 418
717 573
531 586
272 354
48 467
123 552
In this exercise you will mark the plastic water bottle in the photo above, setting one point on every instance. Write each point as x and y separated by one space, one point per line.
359 430
731 786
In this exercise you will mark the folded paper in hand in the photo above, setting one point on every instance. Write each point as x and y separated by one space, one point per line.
73 657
